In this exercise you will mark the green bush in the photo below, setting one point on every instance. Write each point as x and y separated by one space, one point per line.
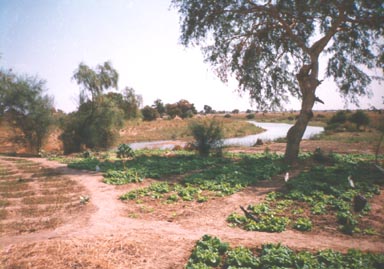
360 118
208 135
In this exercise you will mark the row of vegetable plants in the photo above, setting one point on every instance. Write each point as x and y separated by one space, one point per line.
211 252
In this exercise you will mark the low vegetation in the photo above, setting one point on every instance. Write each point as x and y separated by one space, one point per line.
211 252
323 191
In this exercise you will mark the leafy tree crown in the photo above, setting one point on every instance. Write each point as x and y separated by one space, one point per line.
264 44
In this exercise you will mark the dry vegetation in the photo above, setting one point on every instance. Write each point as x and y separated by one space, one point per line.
34 198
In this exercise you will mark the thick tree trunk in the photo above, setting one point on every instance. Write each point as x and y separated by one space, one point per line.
308 83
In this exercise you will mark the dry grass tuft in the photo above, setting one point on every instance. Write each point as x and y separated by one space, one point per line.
73 253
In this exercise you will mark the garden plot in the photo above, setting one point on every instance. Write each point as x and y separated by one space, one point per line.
34 198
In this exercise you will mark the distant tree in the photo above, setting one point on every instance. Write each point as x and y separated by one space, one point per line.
360 118
149 113
183 109
273 48
173 110
235 111
208 109
27 107
339 118
132 103
159 106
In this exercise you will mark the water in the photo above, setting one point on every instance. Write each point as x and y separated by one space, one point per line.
273 131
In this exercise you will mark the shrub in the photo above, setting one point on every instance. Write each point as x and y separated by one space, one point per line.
250 116
208 136
124 151
359 118
149 113
339 118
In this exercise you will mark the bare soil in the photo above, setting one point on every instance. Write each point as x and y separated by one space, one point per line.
108 233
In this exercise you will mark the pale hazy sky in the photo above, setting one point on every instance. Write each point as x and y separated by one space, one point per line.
49 38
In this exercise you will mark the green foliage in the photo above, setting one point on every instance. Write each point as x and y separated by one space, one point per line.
182 109
342 121
264 46
149 113
319 191
114 177
268 221
339 118
124 151
250 116
208 135
303 224
27 108
99 117
206 177
95 81
128 102
210 252
360 118
207 251
241 257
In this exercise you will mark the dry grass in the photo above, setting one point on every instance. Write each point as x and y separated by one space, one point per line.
96 253
36 198
136 131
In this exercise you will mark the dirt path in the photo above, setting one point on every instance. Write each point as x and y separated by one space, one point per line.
103 236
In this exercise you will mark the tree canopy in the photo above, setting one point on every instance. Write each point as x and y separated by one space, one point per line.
95 81
22 98
96 122
273 48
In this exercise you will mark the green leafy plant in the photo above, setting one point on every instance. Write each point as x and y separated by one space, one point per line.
241 257
208 135
114 177
210 252
303 224
207 251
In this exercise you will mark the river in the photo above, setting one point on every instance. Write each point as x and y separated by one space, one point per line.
273 131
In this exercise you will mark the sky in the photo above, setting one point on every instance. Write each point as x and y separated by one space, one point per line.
50 38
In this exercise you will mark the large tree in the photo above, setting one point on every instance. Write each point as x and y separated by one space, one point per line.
273 48
95 81
28 108
96 122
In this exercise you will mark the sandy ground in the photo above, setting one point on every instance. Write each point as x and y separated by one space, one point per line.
102 235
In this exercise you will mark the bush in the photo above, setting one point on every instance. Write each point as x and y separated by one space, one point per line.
360 119
250 116
149 113
339 118
208 136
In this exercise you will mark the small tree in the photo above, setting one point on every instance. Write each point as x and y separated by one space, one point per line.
124 152
208 109
159 106
360 118
23 99
208 135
